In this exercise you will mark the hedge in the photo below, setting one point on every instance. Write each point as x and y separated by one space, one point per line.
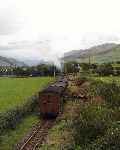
11 118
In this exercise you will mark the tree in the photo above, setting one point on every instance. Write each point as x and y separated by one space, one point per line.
85 66
71 67
21 71
105 69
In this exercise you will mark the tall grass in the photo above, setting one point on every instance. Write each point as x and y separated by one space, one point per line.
97 126
12 137
91 123
110 92
110 140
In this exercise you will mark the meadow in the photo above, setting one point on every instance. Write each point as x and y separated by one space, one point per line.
16 91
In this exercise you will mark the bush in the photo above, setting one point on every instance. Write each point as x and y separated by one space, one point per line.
10 119
110 92
110 141
105 69
92 122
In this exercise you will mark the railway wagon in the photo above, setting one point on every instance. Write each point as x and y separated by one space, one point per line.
51 99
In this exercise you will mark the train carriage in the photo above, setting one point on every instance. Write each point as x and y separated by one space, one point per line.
51 99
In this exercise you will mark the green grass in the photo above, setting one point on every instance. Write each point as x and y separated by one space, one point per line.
108 79
14 136
15 91
115 65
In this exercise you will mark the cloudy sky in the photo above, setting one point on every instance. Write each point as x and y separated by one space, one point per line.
45 29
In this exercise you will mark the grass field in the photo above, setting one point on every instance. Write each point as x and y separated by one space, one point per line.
15 91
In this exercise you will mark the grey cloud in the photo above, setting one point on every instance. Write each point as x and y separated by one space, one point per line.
91 39
8 27
21 45
11 21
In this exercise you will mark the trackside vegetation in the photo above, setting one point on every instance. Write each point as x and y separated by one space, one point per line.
89 125
97 126
109 91
9 140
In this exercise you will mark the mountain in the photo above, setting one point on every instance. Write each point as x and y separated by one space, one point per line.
98 54
34 62
4 61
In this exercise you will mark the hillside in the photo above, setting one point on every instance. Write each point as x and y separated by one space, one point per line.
4 61
101 53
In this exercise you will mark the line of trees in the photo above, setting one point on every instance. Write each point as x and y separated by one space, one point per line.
69 67
39 70
101 69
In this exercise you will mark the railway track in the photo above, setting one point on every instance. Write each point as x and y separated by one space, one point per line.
38 136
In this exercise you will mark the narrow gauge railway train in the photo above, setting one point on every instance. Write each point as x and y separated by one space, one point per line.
51 99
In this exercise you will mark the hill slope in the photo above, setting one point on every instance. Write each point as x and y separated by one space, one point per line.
101 53
4 61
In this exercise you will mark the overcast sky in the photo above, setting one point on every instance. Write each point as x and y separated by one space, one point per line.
45 29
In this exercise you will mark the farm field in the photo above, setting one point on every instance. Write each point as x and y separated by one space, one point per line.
15 91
